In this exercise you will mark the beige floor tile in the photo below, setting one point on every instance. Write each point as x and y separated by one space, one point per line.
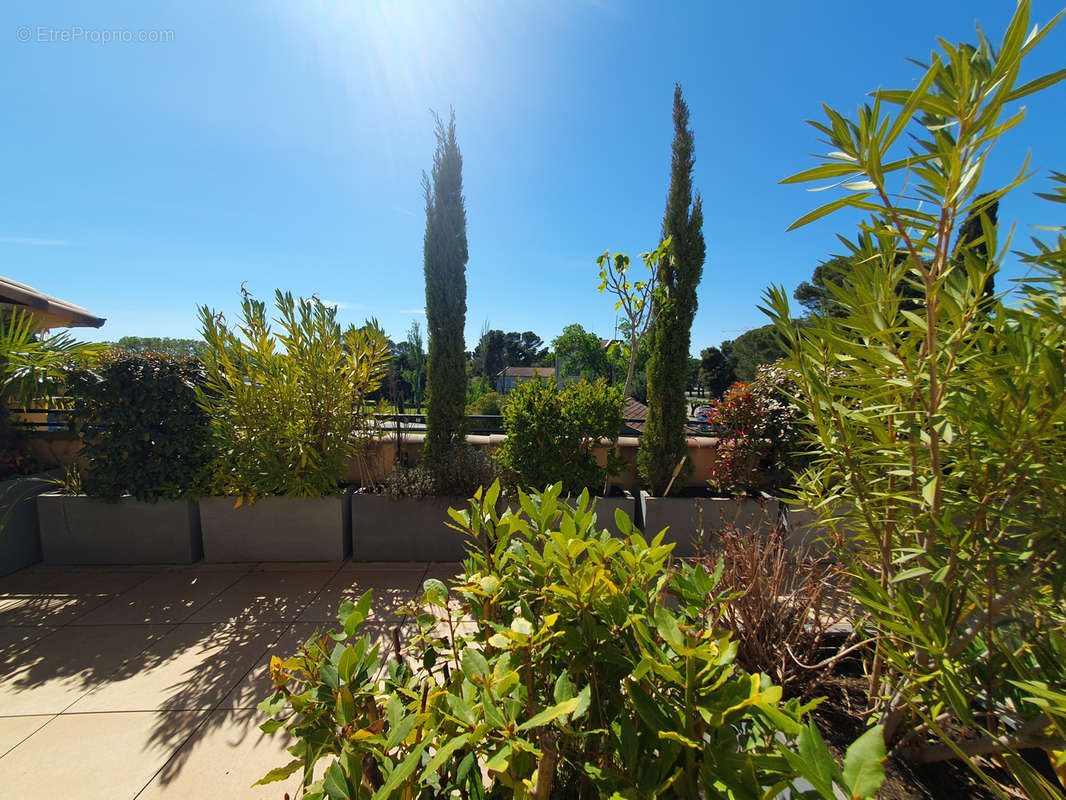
13 730
54 597
40 608
444 570
192 667
98 756
297 566
74 580
392 588
168 597
256 687
273 596
372 566
16 638
223 759
53 673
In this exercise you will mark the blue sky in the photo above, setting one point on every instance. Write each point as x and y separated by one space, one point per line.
282 144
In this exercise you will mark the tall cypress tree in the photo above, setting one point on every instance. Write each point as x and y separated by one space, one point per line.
445 253
663 445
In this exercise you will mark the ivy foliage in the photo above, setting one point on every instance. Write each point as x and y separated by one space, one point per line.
141 428
552 433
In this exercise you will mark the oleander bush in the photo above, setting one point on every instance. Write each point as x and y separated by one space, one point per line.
142 430
289 409
938 415
552 433
563 663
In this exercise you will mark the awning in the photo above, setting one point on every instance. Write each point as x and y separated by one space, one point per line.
50 312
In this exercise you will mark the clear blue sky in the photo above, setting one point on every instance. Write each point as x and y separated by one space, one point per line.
282 144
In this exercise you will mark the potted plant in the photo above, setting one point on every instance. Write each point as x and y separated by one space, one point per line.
144 448
553 434
663 459
406 518
752 460
31 371
288 414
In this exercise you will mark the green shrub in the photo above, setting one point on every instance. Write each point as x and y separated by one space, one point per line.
760 437
142 431
289 410
488 404
582 670
460 472
940 425
551 433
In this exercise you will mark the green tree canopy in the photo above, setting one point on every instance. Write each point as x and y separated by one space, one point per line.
716 371
752 349
580 352
160 344
497 350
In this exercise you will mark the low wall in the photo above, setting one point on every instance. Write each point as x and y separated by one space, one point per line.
61 449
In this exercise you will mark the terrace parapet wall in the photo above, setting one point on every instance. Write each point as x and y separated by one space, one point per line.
60 449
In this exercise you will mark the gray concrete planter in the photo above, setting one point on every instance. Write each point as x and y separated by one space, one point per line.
277 529
20 539
409 529
76 529
682 515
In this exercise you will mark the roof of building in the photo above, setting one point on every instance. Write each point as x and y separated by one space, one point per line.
50 312
526 372
635 413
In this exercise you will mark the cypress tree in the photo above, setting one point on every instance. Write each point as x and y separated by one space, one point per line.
663 445
445 253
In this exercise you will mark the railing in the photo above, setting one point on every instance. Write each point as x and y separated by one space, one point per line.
476 424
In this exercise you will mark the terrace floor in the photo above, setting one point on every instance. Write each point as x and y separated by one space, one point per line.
141 682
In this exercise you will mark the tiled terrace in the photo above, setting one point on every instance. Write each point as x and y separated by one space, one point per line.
141 682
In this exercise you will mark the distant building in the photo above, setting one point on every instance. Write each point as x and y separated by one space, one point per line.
509 377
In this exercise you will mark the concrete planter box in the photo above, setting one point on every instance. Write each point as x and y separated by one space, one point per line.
410 529
681 515
20 538
276 529
76 529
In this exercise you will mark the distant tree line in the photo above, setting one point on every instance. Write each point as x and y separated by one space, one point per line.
160 344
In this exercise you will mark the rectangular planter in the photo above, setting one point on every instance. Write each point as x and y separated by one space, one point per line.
276 529
410 529
682 516
76 529
20 538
